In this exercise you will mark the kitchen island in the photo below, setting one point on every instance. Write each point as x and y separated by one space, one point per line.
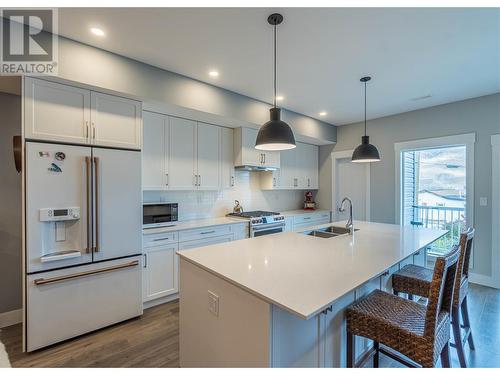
279 300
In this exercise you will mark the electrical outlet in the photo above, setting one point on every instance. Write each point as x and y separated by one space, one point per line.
213 303
483 201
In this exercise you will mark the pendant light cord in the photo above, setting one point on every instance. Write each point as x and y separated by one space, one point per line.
365 108
274 101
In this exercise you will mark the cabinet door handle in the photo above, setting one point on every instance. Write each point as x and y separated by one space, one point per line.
274 181
232 180
93 130
199 180
308 182
145 261
166 174
161 239
210 231
264 158
87 130
195 180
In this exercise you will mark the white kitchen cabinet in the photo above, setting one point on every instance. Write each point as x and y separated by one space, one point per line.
247 155
63 113
298 170
206 242
116 121
155 151
307 166
227 158
310 219
160 272
182 166
208 157
56 112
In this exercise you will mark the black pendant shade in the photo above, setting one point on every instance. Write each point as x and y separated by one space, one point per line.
275 135
365 152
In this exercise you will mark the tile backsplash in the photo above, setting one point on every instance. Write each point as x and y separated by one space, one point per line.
208 204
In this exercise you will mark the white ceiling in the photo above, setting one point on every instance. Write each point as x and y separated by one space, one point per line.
450 54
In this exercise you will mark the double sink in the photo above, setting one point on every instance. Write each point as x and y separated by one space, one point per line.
328 232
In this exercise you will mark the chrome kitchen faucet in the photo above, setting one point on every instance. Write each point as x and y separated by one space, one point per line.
348 225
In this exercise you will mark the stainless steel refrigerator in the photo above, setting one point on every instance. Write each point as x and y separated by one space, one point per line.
83 240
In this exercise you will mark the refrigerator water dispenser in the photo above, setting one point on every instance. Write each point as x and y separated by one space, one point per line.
60 233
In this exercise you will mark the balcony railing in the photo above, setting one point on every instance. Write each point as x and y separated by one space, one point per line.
439 217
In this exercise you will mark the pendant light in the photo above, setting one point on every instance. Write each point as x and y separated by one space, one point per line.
275 134
365 152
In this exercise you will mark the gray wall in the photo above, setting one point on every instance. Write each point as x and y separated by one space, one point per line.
479 115
10 206
85 64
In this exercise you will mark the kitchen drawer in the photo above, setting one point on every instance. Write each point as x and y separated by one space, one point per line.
311 218
201 233
159 239
206 242
77 300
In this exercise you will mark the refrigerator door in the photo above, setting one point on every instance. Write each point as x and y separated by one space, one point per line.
117 203
57 206
66 303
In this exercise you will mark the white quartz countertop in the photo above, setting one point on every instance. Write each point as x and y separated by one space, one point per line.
305 274
193 224
303 212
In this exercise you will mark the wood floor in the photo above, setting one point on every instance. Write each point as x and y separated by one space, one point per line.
153 340
149 341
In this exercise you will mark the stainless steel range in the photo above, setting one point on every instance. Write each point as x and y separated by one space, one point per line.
262 222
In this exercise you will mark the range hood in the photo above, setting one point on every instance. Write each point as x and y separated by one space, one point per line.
254 168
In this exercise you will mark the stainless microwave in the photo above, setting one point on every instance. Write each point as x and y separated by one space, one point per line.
159 214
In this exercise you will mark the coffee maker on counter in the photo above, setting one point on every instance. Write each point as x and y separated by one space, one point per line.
309 204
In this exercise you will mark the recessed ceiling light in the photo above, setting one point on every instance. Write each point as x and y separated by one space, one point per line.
322 113
213 73
97 31
279 97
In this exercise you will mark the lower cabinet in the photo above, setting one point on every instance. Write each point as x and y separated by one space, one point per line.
309 220
206 242
161 272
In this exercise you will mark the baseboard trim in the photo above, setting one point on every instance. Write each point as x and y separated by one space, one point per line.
160 301
10 318
476 278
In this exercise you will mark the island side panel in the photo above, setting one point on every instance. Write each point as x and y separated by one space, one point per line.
238 335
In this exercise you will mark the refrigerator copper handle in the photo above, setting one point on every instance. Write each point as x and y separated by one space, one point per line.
57 279
96 185
89 229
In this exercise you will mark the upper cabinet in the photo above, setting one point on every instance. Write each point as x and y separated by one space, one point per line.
227 158
63 113
298 171
245 153
116 121
55 112
154 151
181 154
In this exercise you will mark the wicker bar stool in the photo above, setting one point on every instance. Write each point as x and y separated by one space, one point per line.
416 331
416 280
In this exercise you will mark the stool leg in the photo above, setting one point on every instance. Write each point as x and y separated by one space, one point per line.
465 316
445 356
457 335
350 350
376 355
